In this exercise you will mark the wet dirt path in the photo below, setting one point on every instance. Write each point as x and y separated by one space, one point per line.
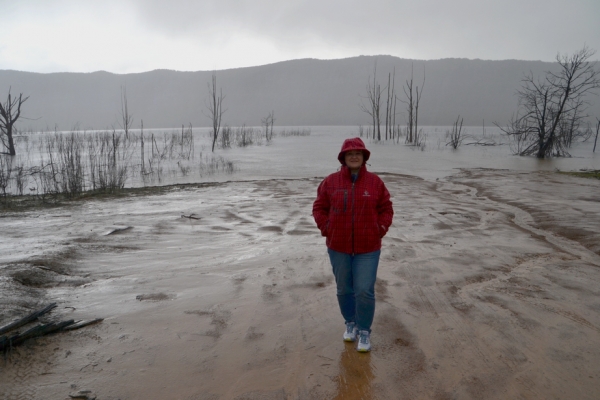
487 288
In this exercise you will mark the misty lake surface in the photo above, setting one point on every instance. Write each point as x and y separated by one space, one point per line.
314 155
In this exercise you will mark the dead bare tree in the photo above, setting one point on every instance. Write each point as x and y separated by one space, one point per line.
408 91
554 106
387 108
268 122
214 106
418 94
10 111
395 128
412 107
126 117
390 110
143 170
372 107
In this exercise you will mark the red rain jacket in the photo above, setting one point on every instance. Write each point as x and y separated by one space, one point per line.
353 216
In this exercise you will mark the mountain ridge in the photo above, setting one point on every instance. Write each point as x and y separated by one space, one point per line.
302 92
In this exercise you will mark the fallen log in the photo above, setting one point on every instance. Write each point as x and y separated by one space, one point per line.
25 320
36 331
41 330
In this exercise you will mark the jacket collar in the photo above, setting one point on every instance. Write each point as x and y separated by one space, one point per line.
346 172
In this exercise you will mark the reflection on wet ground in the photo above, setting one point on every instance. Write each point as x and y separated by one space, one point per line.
355 375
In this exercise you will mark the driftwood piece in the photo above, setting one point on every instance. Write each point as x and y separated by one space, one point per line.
81 324
83 395
24 321
482 143
118 230
191 216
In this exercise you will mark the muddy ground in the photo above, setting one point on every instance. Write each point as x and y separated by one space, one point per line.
488 288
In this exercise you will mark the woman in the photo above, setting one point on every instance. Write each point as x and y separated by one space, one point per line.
353 211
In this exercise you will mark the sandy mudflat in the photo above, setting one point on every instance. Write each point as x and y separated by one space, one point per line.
488 288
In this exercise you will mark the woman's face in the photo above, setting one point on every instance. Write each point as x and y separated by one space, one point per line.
354 159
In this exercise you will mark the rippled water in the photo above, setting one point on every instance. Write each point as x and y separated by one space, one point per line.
316 155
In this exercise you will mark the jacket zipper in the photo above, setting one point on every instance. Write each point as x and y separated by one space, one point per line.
345 200
352 213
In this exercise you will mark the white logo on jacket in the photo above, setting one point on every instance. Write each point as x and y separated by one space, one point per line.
366 193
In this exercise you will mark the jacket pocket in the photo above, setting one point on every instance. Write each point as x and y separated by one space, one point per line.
325 231
339 201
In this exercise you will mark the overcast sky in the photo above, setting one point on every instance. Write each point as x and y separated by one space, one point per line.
124 36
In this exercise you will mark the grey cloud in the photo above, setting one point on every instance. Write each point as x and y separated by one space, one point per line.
492 29
425 29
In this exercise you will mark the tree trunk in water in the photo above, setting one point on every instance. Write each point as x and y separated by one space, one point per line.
11 143
596 140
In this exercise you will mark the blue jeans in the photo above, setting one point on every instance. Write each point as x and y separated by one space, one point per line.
355 279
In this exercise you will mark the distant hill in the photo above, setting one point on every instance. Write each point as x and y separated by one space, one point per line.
303 92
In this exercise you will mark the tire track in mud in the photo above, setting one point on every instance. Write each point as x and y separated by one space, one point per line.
567 314
525 362
290 343
399 357
451 332
457 334
525 221
304 283
452 326
255 218
479 361
17 371
498 284
280 291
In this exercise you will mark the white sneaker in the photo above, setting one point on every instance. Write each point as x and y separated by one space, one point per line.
350 333
364 342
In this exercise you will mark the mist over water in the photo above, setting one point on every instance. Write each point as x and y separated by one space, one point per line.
314 155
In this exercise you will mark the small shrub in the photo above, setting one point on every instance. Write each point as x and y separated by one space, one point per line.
226 135
213 164
246 136
455 136
304 132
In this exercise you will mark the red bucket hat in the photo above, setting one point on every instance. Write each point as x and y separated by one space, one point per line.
353 144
